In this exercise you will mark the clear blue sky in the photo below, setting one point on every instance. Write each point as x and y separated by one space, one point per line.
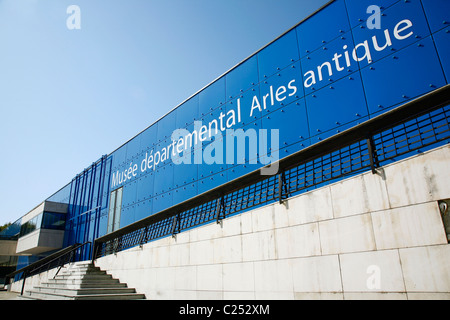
69 96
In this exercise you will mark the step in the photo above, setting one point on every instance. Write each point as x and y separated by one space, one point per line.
77 272
36 295
82 281
83 291
84 277
81 284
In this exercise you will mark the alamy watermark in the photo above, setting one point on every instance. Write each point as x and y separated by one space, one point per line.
374 21
73 22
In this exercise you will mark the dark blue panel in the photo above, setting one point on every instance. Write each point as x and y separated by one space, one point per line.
162 202
133 149
145 186
438 13
187 113
212 97
357 9
163 179
185 192
322 28
442 40
185 174
242 149
324 66
293 148
240 170
213 157
162 154
129 193
127 216
279 90
143 209
291 121
213 121
335 105
403 76
338 129
386 44
239 110
119 158
212 181
242 78
166 125
149 137
278 55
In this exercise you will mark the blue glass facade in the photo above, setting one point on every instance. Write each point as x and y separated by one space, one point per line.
327 74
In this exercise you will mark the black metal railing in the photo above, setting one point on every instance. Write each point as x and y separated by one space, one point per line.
406 130
55 260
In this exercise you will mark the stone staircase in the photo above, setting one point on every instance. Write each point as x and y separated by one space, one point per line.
82 281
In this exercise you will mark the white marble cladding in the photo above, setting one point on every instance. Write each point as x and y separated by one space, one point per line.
368 237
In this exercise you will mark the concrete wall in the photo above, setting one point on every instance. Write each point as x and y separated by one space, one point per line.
371 236
40 240
33 281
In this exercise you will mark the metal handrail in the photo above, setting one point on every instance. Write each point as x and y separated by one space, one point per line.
61 257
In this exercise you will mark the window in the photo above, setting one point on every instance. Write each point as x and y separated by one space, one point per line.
54 221
45 220
115 204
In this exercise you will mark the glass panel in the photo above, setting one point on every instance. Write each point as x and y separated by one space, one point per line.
242 78
357 9
54 221
291 121
148 137
410 73
322 28
438 13
187 113
112 205
329 64
117 210
212 97
166 126
277 91
442 41
278 55
336 105
405 17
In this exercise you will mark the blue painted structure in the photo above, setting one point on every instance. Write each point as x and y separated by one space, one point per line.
327 74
